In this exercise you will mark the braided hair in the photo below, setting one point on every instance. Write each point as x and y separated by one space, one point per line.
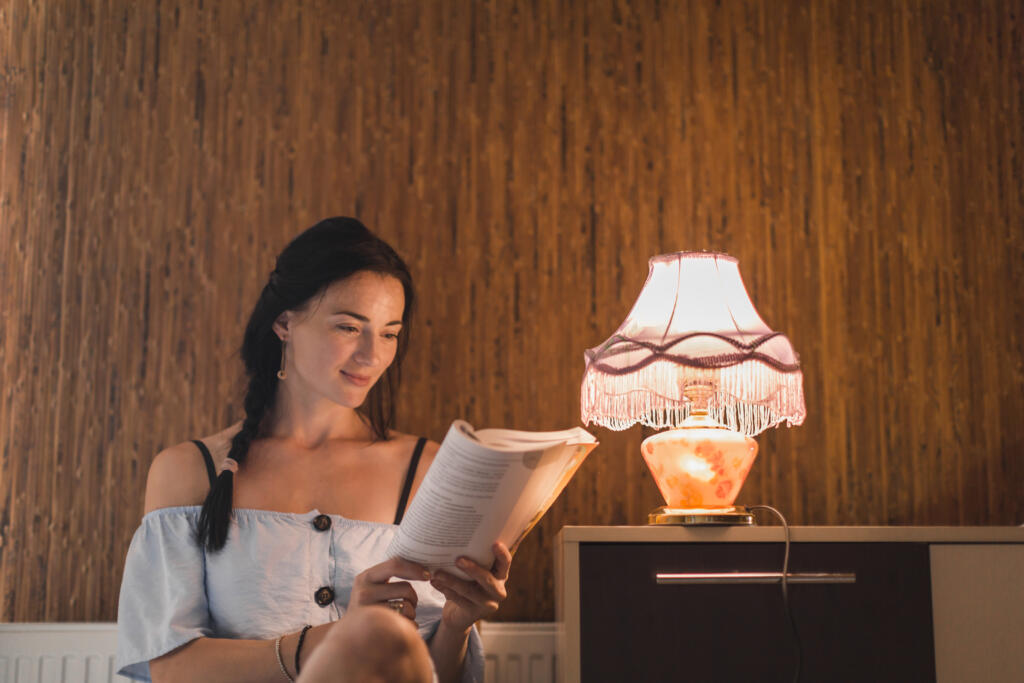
331 250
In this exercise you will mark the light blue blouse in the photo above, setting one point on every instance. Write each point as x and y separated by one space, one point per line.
261 585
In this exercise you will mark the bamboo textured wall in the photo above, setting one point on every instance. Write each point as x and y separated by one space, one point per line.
862 160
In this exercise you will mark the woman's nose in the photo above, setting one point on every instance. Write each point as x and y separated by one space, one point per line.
366 353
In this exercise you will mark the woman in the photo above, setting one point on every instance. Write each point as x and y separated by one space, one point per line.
261 552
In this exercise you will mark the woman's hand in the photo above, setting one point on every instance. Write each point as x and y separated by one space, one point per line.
477 598
374 587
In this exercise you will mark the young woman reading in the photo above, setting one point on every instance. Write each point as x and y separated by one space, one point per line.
261 553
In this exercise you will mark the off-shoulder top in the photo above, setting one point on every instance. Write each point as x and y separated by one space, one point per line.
269 579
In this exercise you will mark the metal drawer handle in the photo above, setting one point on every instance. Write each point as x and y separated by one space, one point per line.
756 577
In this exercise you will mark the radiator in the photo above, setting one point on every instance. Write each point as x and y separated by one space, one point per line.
84 653
519 652
54 653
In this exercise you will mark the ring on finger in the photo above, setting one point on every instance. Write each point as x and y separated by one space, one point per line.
397 604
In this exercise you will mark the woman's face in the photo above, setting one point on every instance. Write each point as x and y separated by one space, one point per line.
341 343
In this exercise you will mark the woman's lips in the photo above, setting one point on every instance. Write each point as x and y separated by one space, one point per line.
358 380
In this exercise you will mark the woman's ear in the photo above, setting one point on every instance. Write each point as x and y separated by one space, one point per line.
282 325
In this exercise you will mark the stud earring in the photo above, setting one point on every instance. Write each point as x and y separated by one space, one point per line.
281 374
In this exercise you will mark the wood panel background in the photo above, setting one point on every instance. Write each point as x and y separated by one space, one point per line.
862 160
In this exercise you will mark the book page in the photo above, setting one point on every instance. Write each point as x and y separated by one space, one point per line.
477 493
558 465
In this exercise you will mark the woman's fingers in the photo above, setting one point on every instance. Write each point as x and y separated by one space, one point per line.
502 561
403 607
382 592
478 597
398 568
484 578
489 594
375 585
452 596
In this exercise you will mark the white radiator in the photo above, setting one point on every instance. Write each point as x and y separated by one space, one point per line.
55 653
84 653
521 652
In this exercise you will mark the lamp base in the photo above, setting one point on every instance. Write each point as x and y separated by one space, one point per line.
721 516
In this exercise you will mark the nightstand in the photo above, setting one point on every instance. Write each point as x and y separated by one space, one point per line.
869 603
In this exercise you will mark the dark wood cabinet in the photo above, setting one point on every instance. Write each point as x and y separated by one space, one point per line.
868 615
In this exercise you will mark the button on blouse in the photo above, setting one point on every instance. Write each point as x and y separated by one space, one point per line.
324 596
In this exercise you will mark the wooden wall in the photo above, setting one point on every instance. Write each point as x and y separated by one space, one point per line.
862 160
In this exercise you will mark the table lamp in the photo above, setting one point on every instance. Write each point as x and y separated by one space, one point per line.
693 355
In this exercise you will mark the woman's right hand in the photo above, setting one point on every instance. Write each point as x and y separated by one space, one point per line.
374 586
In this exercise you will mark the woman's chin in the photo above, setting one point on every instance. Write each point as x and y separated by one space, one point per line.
352 397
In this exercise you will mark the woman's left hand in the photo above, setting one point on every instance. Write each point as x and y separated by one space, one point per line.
476 598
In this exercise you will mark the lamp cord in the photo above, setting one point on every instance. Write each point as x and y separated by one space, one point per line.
785 588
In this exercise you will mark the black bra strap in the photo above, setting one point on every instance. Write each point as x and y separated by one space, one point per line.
410 474
211 471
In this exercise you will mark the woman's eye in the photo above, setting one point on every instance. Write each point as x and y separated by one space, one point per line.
391 335
348 328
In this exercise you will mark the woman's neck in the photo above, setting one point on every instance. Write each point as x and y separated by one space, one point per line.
310 425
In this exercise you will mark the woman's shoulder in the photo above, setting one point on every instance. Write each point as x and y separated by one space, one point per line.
178 475
407 444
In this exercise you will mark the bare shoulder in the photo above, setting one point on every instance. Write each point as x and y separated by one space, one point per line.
408 443
429 453
177 475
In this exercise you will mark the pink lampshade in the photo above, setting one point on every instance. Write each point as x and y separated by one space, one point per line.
693 323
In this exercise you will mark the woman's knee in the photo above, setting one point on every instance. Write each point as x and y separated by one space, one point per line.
372 643
380 628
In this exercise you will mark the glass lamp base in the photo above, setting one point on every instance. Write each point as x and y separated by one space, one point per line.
721 516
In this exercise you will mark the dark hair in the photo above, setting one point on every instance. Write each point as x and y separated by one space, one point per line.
331 250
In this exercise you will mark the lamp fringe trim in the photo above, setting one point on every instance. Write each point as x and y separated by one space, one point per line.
748 398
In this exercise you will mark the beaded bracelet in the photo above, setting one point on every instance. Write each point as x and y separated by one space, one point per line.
298 648
280 662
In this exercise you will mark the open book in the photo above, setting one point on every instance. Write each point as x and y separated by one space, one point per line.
484 486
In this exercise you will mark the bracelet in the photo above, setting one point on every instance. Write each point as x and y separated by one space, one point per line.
280 662
298 648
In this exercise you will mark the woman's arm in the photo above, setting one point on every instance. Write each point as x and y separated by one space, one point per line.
448 644
448 650
227 660
178 477
230 660
466 603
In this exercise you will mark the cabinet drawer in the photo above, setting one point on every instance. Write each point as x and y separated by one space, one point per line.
878 628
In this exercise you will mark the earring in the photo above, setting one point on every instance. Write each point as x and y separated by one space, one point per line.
281 374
